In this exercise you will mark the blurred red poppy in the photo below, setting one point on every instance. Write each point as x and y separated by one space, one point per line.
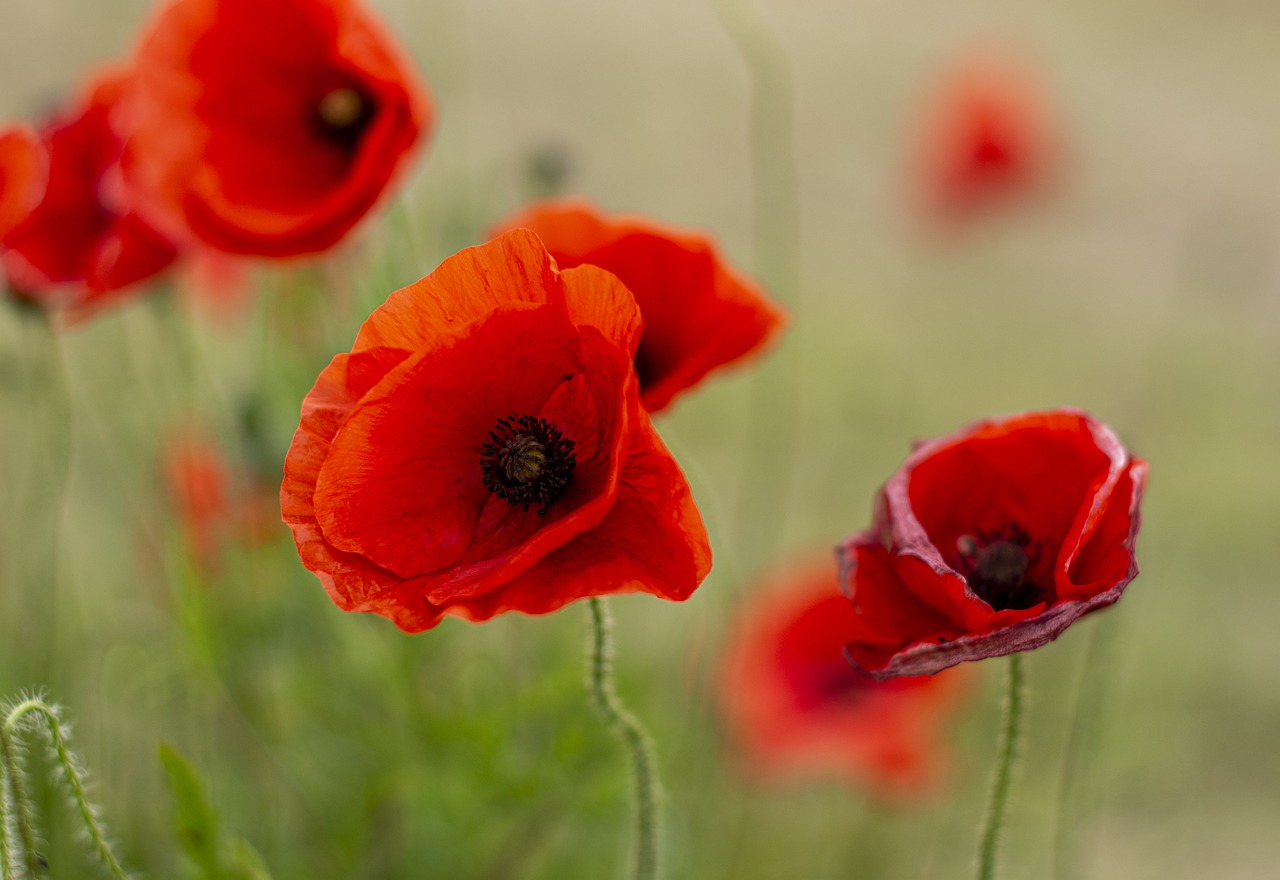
987 138
699 313
22 175
269 128
82 239
797 709
216 502
482 449
992 540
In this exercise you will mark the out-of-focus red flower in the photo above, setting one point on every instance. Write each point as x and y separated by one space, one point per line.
482 449
992 540
988 138
797 709
82 240
216 502
269 128
198 480
22 175
699 313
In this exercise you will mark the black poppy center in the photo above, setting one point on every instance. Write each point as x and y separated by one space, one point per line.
527 461
998 566
342 114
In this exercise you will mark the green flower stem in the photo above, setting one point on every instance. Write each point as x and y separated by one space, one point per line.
69 764
627 729
1010 730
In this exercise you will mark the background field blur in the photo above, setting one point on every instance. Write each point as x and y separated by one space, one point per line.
1144 286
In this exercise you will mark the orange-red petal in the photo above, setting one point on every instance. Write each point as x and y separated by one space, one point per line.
699 312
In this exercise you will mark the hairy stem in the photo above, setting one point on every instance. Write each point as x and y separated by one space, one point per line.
70 766
1010 730
24 855
628 730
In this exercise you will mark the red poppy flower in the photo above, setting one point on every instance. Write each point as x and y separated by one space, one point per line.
22 175
269 128
987 139
83 239
482 449
699 313
798 709
992 540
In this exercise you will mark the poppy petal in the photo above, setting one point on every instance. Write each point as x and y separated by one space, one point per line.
699 313
652 541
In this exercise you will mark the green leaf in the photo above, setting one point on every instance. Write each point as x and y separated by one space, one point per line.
245 863
198 831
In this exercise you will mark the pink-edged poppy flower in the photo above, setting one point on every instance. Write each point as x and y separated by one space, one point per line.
798 710
992 540
269 128
82 240
699 312
482 449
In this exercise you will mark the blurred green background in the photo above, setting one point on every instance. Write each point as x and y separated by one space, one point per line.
1144 287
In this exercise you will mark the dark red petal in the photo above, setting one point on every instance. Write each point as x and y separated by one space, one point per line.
83 239
888 614
1105 553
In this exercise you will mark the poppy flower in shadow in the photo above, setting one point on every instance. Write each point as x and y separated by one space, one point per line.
22 175
482 449
699 313
82 240
992 540
987 139
798 710
271 128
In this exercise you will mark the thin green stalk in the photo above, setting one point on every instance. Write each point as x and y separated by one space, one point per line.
1086 709
773 416
69 764
628 730
1010 730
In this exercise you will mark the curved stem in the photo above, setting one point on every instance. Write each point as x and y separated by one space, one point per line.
1010 730
69 764
633 737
